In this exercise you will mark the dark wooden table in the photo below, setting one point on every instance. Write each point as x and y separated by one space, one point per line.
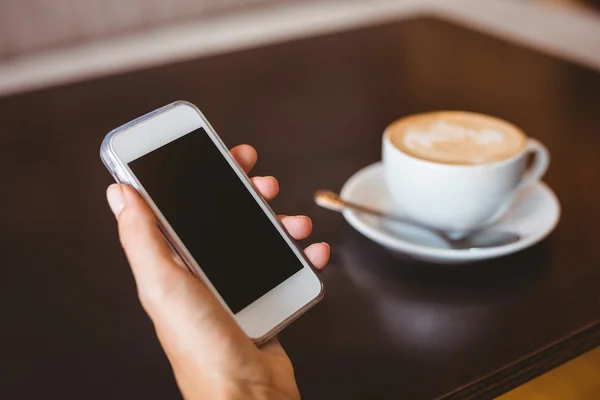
71 326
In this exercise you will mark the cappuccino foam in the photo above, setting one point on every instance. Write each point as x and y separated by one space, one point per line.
454 137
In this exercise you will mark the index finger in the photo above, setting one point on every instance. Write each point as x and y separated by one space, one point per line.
245 155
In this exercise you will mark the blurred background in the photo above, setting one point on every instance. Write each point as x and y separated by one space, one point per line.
34 25
45 43
37 25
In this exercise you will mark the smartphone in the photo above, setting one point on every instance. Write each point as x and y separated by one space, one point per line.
213 217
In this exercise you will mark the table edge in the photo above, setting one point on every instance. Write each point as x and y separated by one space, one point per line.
530 366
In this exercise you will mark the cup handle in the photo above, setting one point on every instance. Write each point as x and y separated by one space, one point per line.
541 160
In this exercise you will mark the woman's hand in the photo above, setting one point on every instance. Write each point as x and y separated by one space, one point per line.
210 355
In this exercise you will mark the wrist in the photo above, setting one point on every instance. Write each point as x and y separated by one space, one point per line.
218 389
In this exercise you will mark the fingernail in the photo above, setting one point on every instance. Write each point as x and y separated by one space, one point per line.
115 198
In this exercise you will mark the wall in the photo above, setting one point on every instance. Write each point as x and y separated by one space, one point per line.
27 25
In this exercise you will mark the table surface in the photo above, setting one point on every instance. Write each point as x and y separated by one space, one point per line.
315 109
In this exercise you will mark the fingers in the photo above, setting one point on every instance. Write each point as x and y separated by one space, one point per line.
318 254
299 227
245 155
267 186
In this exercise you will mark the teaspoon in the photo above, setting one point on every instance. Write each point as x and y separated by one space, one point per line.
475 240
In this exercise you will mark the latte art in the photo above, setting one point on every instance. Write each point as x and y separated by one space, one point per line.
456 137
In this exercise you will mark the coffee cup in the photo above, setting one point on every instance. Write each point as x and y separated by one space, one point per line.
458 171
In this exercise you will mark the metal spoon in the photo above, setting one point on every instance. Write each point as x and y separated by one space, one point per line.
475 240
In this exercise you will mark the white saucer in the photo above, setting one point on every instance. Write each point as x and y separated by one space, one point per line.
533 216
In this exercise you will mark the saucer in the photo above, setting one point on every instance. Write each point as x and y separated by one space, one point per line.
533 216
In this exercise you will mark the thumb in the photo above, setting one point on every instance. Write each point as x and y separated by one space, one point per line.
149 256
180 305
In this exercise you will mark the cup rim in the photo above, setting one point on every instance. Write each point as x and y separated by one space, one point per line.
514 157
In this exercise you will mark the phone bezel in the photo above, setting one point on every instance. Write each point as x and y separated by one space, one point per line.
277 308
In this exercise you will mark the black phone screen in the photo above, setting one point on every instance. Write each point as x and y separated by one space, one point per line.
217 218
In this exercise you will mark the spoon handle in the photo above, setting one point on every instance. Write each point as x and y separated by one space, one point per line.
332 201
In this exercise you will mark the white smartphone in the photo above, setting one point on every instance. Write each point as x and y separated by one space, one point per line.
214 218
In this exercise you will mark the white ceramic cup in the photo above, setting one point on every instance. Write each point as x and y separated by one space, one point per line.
459 198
